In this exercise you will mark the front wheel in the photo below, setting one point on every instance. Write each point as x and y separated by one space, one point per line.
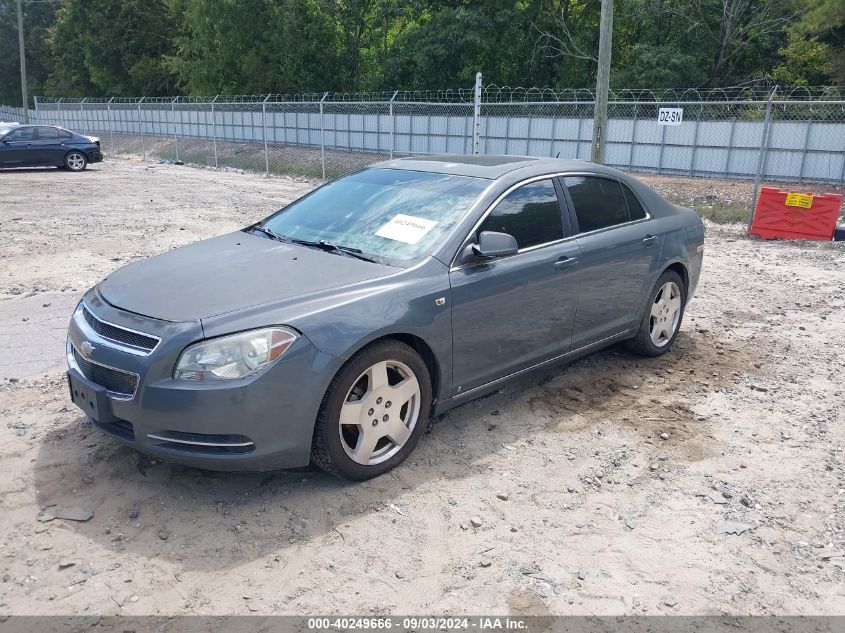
662 319
374 412
76 161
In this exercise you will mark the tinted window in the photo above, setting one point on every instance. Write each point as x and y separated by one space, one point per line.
47 134
531 214
65 134
635 209
598 202
23 134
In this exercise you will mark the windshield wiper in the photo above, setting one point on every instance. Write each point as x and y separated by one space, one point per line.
270 233
334 248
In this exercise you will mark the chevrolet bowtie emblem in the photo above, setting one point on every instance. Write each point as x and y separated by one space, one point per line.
86 348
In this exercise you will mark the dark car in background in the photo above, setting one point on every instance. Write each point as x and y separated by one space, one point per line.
47 146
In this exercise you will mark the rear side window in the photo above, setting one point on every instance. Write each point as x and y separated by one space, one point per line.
47 134
598 202
635 209
23 134
531 214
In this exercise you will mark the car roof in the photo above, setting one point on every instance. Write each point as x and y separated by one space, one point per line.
493 166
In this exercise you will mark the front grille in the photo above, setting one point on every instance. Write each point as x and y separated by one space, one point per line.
115 381
118 334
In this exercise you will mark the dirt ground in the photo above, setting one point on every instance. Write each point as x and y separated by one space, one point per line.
602 488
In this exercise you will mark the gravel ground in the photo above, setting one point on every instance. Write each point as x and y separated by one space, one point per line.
601 488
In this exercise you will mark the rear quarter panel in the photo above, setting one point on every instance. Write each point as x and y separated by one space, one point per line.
682 233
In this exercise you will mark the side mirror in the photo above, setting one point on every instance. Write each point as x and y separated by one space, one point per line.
493 244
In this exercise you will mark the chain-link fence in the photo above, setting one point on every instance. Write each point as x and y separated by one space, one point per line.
13 114
796 136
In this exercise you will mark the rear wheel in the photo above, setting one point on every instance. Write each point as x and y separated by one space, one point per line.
76 161
662 319
374 412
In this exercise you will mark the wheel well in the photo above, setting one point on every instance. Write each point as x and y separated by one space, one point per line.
679 268
422 348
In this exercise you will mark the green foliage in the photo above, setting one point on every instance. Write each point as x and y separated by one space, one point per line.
111 47
205 47
816 50
37 19
806 62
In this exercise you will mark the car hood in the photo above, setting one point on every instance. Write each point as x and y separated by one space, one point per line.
228 273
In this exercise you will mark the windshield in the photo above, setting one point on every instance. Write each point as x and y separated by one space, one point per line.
393 215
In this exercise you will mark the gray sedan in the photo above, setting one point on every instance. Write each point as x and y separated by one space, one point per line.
331 331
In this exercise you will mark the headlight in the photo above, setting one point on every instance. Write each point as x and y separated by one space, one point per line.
234 356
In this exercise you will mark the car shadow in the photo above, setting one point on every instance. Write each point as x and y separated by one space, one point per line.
92 167
153 508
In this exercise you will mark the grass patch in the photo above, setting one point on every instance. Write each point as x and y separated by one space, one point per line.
252 163
723 215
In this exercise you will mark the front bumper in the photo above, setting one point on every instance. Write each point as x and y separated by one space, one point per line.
95 155
261 422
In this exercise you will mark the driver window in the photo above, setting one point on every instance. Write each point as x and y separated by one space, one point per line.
530 213
23 134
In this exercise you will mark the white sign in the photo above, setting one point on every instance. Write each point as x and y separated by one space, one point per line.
406 228
670 116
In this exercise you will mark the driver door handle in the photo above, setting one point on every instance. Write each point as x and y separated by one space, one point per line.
566 262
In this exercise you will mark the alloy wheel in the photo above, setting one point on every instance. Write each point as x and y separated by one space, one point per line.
75 161
665 314
379 412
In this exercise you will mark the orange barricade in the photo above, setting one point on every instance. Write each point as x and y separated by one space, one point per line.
795 215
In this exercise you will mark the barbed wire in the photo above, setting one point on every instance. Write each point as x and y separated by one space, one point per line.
493 93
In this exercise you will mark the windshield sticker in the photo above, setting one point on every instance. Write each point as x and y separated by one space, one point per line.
406 228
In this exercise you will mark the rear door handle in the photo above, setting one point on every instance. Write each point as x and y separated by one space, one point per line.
650 240
566 262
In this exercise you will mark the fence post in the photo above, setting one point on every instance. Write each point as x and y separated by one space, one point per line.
730 148
806 145
264 132
662 146
82 118
476 114
111 124
579 133
214 129
323 137
633 136
695 140
141 129
175 135
392 123
761 157
35 101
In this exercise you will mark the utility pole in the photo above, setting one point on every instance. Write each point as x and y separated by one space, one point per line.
602 82
23 65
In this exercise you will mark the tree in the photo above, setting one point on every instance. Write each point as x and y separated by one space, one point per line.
113 47
254 46
815 54
806 62
38 17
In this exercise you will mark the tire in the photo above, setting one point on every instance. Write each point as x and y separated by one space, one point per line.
75 161
362 429
663 316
